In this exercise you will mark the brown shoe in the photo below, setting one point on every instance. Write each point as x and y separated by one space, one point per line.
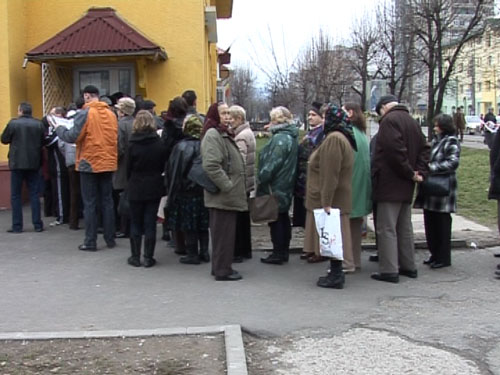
305 255
317 259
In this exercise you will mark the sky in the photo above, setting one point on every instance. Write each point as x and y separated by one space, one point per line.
289 24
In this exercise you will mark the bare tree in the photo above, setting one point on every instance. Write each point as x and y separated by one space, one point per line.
432 25
395 59
242 86
363 44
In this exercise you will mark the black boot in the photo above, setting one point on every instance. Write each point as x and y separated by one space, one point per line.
135 247
274 258
149 251
180 245
191 249
335 278
203 238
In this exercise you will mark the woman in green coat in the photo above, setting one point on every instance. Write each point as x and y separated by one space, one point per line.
361 186
277 172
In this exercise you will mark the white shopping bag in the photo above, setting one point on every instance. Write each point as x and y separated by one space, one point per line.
330 235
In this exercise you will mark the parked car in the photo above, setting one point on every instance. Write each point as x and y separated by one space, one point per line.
472 124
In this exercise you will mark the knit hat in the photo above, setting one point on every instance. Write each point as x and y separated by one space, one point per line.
126 105
193 126
384 100
316 108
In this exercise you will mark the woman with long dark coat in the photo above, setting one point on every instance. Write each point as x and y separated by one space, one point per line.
145 186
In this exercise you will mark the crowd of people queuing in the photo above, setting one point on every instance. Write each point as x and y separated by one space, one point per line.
114 160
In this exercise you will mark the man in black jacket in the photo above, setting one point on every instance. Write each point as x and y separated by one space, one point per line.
25 136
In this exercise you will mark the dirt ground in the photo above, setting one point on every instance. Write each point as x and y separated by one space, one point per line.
263 354
167 355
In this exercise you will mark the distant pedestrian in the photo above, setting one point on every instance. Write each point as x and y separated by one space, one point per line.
191 100
25 136
459 122
329 179
95 133
444 160
276 174
224 165
400 160
145 165
245 139
361 186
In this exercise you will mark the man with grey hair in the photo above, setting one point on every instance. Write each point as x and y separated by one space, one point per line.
400 160
125 109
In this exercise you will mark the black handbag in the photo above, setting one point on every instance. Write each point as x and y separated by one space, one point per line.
437 185
198 175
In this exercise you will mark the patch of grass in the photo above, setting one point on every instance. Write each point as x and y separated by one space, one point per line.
473 183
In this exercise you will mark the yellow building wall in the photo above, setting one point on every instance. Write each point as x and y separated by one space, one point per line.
176 25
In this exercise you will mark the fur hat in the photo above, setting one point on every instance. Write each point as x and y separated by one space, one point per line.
126 105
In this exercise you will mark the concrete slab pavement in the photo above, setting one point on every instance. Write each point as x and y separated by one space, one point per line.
48 285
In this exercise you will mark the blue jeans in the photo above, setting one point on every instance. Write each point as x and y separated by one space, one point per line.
97 187
143 218
17 176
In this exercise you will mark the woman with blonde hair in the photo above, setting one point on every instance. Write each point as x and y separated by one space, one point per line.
245 140
146 161
277 173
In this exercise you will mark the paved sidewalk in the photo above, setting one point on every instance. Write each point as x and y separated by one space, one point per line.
48 285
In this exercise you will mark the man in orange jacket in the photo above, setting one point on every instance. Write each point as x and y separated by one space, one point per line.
95 132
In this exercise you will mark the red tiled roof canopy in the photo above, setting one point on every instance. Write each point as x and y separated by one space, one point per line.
100 33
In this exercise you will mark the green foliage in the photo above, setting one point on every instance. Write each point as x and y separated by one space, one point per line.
473 183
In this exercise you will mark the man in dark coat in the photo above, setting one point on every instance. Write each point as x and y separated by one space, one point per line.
400 160
25 136
459 122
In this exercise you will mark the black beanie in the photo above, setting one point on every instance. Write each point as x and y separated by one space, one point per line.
384 100
316 107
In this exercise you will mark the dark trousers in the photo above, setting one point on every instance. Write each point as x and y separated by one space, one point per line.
143 218
223 232
97 190
60 194
122 222
243 243
438 235
74 197
299 212
281 234
17 176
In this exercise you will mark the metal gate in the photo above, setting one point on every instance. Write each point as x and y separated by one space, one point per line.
57 86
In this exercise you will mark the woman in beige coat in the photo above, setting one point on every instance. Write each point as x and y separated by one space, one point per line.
245 140
329 178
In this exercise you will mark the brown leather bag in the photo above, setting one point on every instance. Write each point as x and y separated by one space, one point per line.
264 208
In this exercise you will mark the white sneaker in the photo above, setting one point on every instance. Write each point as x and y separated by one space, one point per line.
54 223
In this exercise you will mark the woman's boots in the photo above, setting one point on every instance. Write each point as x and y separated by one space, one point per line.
335 278
135 248
149 251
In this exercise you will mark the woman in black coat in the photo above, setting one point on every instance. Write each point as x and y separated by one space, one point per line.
186 211
146 161
444 160
494 192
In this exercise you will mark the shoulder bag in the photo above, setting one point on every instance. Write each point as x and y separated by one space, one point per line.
437 185
264 208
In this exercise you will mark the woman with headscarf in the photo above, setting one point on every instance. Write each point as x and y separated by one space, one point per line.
329 178
276 175
185 206
361 186
309 143
224 165
171 134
